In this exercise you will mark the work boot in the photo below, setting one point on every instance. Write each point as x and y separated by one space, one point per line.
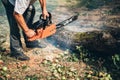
20 56
36 44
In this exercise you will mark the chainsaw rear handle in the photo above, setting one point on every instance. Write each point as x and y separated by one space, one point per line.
42 23
48 19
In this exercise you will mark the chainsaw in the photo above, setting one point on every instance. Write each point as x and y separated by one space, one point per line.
45 28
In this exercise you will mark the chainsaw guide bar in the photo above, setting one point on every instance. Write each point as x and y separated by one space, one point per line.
45 28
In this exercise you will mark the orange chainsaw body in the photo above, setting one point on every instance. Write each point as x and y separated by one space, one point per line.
45 28
43 33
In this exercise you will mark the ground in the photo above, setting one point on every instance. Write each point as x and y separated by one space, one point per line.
53 63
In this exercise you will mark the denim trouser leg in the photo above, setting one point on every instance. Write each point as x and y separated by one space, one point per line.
15 43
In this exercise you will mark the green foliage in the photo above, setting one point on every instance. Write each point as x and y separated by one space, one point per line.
91 4
101 64
116 60
60 72
115 10
97 75
33 77
83 54
73 58
2 49
82 36
4 73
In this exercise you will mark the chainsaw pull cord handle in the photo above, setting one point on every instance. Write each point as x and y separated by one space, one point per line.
46 21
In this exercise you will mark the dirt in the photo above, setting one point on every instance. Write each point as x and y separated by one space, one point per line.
87 21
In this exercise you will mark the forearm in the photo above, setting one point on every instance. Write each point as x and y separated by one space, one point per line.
44 9
43 4
20 20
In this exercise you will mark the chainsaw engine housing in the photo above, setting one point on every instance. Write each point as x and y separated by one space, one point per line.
43 33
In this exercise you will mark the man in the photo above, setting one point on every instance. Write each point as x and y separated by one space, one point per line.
21 12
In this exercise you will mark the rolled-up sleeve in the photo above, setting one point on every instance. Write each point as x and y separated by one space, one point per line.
21 6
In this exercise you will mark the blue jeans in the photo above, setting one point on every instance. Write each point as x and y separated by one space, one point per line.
15 42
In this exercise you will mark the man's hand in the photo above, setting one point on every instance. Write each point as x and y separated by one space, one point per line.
45 14
30 33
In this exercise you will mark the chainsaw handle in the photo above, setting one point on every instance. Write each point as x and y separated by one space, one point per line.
46 21
48 18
